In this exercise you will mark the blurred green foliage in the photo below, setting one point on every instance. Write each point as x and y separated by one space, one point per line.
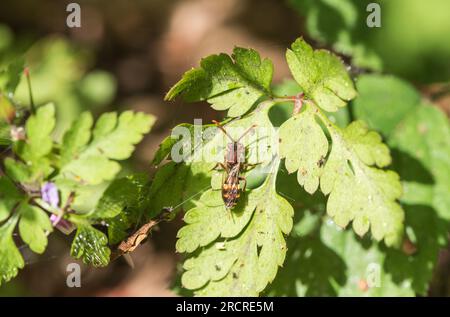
60 72
412 41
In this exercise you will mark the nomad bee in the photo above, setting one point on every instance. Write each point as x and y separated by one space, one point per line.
233 165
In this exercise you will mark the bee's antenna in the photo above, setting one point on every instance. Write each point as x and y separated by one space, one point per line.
223 130
26 71
248 130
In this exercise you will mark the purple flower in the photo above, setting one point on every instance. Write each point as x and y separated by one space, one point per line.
49 193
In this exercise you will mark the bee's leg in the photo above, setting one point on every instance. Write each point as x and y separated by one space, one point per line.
248 166
219 166
244 180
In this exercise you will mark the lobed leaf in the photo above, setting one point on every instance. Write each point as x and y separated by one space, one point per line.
76 137
419 134
9 197
90 245
123 204
359 192
36 149
228 83
202 221
38 130
304 146
321 75
17 170
10 76
10 258
243 266
34 225
113 139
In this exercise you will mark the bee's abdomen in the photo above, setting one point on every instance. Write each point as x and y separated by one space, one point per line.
230 194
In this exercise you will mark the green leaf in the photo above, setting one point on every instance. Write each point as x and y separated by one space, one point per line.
7 110
281 112
392 48
113 138
321 75
134 205
359 192
419 134
201 222
76 137
311 269
352 262
121 193
165 147
245 264
38 129
364 265
10 76
9 197
384 101
338 24
164 150
188 180
422 140
91 169
122 205
17 170
305 146
34 225
234 83
10 258
186 184
90 245
428 233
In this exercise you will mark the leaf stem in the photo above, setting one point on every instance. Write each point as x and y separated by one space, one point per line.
30 92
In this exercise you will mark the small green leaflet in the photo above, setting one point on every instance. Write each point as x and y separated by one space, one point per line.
10 76
123 204
9 197
424 136
76 137
418 132
305 146
321 75
34 225
234 83
201 222
350 259
38 129
186 183
91 245
37 147
17 170
7 114
10 258
359 192
113 138
122 193
244 265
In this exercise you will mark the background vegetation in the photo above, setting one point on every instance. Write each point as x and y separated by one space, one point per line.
128 54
